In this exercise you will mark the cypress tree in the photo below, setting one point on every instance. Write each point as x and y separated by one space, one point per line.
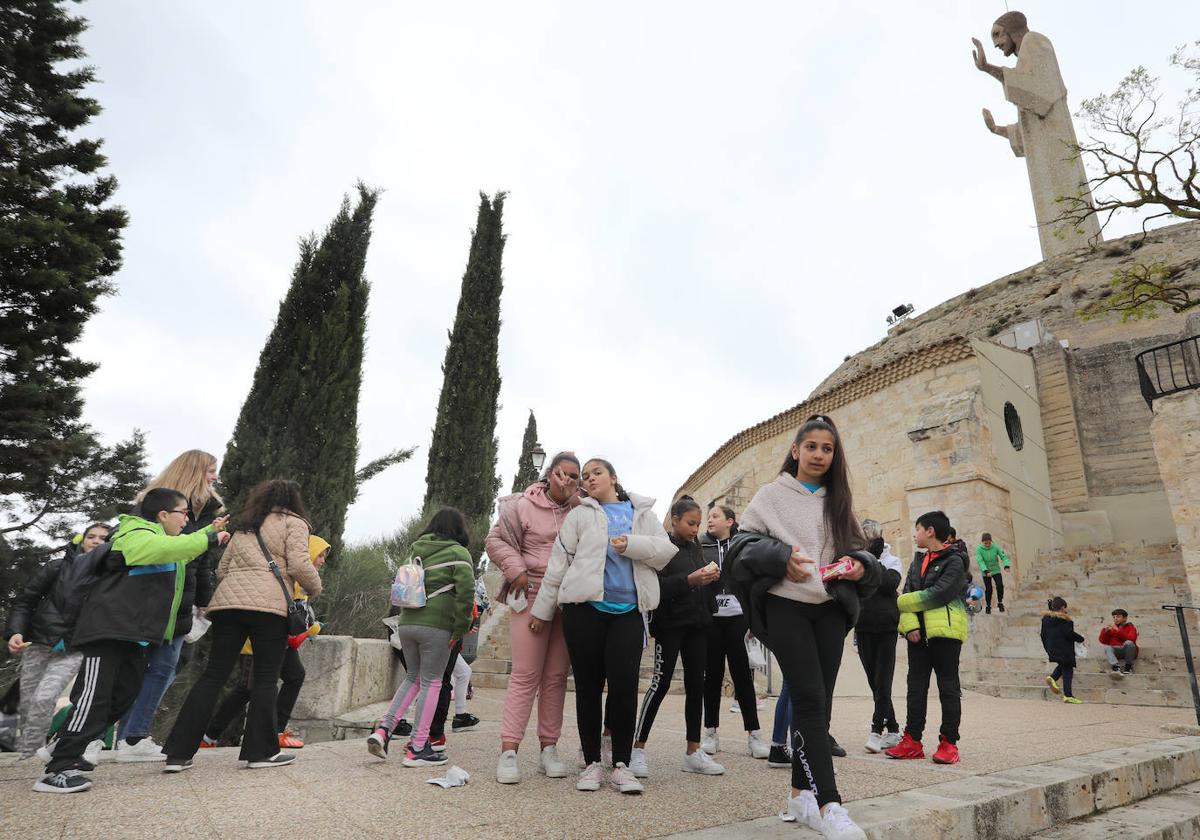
300 419
526 474
462 455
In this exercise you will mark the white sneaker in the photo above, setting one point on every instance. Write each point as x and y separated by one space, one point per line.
591 777
508 771
836 824
890 739
143 750
550 763
802 808
710 743
700 762
606 750
757 746
624 781
637 764
874 742
735 708
91 753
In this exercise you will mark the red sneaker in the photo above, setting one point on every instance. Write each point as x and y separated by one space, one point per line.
947 753
438 744
288 740
206 743
907 748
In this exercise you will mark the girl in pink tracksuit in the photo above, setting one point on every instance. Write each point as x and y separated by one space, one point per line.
520 544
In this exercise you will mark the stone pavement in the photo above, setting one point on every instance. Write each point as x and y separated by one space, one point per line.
337 790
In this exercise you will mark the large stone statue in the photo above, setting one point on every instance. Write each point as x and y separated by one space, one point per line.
1043 133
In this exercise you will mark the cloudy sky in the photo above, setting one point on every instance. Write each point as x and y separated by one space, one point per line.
711 204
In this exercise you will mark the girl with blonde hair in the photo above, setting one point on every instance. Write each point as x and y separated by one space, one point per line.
192 473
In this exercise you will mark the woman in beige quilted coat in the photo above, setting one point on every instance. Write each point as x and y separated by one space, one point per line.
251 603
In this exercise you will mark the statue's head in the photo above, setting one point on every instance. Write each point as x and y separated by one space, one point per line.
1008 30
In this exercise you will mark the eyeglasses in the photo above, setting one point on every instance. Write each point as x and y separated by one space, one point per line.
185 511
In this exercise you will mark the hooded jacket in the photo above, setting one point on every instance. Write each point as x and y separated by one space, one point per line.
681 605
879 613
137 595
1059 637
758 562
1118 637
714 552
247 582
575 573
48 605
520 541
932 600
446 563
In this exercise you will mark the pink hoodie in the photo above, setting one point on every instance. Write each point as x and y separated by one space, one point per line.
523 535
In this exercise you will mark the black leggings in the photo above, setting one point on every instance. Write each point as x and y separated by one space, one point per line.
727 640
604 647
877 651
267 633
292 675
668 646
1067 672
807 640
998 580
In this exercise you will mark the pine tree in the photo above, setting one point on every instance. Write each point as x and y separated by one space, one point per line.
526 474
300 419
462 455
60 242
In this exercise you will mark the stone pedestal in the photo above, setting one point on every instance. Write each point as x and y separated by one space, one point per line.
1175 431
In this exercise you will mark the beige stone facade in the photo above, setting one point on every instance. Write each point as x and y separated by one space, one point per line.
1001 407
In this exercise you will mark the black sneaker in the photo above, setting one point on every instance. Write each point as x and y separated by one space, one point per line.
464 722
987 610
1128 669
778 757
65 781
1116 669
177 765
402 728
1001 607
836 748
377 742
425 756
280 759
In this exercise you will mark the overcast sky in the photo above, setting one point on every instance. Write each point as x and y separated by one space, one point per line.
711 204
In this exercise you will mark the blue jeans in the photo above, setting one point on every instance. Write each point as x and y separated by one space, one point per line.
783 715
160 673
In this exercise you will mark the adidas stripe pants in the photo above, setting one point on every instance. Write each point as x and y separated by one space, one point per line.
108 682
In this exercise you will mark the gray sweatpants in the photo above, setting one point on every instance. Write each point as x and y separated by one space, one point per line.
1127 651
426 652
45 672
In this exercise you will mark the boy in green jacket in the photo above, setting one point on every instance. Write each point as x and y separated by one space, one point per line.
131 607
990 556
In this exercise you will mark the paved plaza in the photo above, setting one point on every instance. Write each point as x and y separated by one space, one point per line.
336 790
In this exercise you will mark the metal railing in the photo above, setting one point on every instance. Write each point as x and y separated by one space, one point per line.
1187 652
1169 369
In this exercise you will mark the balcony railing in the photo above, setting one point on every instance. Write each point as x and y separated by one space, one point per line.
1169 369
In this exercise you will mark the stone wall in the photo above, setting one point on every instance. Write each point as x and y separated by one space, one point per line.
343 674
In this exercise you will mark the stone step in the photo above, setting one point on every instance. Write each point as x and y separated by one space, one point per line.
1110 696
1160 665
1009 803
1176 683
490 666
491 680
1174 815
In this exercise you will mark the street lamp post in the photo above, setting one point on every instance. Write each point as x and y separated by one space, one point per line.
537 457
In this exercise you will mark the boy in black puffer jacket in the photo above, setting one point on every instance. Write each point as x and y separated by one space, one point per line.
685 608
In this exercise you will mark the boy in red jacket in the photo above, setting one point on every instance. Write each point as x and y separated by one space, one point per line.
1120 642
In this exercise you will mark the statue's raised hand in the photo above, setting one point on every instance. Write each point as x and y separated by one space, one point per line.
990 122
978 55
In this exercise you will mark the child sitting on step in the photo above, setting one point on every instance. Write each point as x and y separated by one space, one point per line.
1059 638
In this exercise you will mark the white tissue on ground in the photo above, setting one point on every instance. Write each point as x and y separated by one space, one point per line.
455 777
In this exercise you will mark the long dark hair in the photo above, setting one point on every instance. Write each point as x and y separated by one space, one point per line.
558 459
450 524
269 497
839 501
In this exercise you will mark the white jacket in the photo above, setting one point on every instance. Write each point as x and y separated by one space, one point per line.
575 573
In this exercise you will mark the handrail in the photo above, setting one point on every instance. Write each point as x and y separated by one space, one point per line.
1187 652
1169 369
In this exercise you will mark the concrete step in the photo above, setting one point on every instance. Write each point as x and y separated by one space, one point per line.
1091 665
491 666
1010 803
1111 696
1174 815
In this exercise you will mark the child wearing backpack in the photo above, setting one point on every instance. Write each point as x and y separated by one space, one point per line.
1059 638
427 633
39 623
131 607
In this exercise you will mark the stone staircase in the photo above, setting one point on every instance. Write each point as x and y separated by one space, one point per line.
1094 581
